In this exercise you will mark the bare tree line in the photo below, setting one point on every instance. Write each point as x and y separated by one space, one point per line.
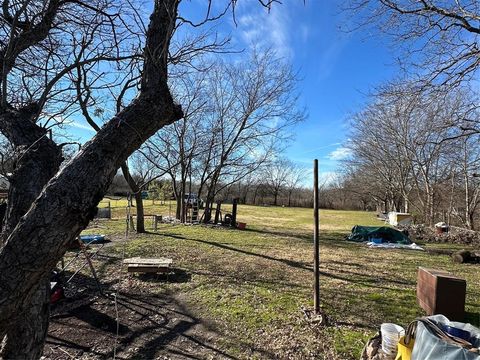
53 51
415 145
237 116
409 152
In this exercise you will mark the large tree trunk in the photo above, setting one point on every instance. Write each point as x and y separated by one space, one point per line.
38 159
67 204
25 338
137 193
183 187
209 202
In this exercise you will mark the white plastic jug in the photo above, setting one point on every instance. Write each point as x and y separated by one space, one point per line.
391 334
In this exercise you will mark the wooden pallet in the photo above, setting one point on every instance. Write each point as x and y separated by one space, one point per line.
148 265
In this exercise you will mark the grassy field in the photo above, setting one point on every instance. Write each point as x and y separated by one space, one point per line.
249 286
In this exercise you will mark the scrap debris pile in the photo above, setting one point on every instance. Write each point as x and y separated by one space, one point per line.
455 235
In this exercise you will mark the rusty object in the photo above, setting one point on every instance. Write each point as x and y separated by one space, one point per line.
241 225
441 228
439 292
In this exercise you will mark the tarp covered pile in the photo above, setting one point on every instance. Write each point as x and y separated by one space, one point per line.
382 237
372 233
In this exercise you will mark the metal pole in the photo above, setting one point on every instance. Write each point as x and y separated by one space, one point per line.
316 247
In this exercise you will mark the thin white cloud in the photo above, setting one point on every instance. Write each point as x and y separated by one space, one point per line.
78 125
320 148
304 32
329 56
267 29
339 153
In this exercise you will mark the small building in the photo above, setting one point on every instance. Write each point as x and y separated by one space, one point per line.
397 218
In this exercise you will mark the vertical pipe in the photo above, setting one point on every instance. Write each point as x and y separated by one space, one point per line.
316 245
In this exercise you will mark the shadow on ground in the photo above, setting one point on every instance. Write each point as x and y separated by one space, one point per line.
149 325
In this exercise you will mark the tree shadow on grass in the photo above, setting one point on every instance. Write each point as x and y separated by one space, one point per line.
301 235
175 276
472 318
350 276
292 263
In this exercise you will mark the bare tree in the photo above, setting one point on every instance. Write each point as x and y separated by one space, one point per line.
252 104
184 55
403 144
281 176
467 165
174 148
34 93
439 39
235 117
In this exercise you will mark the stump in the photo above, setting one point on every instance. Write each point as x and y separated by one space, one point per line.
462 256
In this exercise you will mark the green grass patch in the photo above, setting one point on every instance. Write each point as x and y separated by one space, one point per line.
250 285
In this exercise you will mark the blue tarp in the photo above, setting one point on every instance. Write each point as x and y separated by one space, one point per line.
92 239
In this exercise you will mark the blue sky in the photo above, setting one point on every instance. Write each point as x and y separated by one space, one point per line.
338 68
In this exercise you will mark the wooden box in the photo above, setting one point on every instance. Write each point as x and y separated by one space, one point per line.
439 292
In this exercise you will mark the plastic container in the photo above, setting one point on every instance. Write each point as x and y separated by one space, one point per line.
241 225
391 334
462 334
404 350
376 240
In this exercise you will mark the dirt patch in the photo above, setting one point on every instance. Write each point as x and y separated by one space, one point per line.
150 325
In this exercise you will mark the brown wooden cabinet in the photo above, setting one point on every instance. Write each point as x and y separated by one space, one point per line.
439 292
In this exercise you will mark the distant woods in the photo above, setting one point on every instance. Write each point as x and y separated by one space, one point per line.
418 153
415 146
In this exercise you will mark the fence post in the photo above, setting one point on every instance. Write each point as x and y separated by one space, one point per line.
316 245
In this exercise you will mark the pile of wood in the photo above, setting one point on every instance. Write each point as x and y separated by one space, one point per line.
455 235
148 265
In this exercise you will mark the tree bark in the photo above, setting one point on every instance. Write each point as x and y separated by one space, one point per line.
25 339
68 203
178 209
137 193
38 159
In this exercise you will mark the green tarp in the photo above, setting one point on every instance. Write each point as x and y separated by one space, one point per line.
369 233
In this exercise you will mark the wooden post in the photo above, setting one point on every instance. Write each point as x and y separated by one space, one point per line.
316 245
234 213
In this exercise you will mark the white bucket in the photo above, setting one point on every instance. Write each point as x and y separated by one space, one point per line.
391 334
